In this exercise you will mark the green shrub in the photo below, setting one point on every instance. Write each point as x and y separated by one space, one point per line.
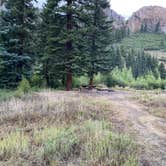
24 86
98 79
125 78
140 83
79 81
119 77
36 81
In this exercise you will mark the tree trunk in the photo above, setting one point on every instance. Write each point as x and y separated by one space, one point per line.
69 47
91 83
69 81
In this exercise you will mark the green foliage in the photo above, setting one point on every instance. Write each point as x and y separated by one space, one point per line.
16 37
36 81
100 145
6 94
125 78
84 80
162 71
24 86
147 41
15 142
140 62
57 142
122 77
79 81
93 142
98 39
63 39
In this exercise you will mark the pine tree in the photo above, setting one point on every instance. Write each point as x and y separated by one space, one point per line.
16 33
63 23
157 28
162 71
98 39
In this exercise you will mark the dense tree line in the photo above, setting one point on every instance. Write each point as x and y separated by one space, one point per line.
139 61
72 39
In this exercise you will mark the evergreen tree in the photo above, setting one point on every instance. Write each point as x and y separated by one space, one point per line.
119 58
16 33
98 38
63 22
162 71
157 28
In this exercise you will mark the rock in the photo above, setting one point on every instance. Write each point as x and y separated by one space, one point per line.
148 19
118 20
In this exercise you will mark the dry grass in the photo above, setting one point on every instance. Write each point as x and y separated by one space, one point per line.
61 128
155 102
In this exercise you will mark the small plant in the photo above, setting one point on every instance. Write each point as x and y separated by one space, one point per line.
103 147
13 143
59 142
24 86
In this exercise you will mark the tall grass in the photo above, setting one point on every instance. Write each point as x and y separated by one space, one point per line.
61 129
154 101
6 94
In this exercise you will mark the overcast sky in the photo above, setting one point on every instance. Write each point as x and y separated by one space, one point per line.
127 7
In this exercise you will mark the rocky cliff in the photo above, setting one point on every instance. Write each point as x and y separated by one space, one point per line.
118 20
148 19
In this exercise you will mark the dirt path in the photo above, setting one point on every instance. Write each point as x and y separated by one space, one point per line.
149 130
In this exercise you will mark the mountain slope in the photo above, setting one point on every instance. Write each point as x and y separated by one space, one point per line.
118 20
148 19
153 43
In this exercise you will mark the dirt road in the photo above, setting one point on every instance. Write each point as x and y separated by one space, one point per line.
148 130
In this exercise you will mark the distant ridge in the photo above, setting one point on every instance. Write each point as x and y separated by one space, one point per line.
118 20
148 19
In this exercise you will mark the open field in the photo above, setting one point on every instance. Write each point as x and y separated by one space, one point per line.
76 128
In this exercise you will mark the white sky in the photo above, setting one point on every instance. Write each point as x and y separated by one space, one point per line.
127 7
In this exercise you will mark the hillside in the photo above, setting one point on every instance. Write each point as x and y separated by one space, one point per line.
147 41
148 19
118 20
154 44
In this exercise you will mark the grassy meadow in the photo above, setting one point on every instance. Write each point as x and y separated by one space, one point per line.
146 41
154 101
62 128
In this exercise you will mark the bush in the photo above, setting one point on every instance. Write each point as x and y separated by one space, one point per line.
79 81
125 78
119 77
24 86
140 83
36 81
98 79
